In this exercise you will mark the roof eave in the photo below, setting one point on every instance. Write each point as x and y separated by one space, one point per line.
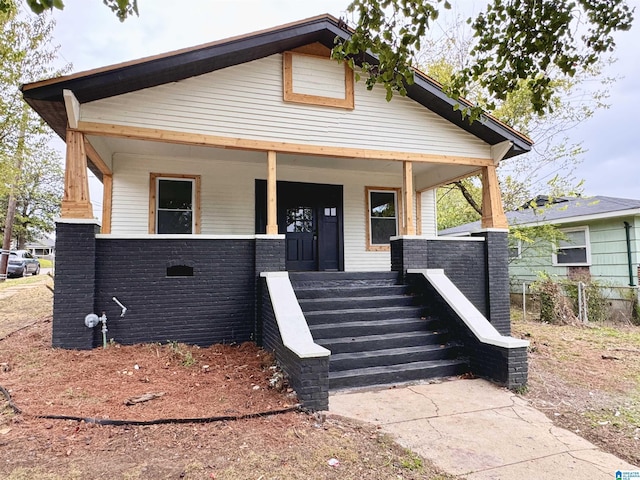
46 96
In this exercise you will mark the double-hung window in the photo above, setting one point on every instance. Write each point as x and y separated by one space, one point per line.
382 217
574 248
174 204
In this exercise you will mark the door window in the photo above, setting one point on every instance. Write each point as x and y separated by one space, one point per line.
300 220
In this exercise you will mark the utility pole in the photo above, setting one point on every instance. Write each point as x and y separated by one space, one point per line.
11 208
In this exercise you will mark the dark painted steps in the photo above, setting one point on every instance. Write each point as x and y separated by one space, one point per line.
347 314
372 327
394 356
375 331
350 291
406 372
342 279
364 343
378 301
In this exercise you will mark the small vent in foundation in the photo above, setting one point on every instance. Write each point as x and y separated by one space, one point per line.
180 271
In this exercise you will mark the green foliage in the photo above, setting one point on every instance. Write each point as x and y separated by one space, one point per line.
122 8
559 299
517 43
38 195
597 299
182 352
412 461
554 305
453 210
30 170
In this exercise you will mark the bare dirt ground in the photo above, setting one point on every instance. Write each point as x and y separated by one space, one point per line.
587 379
189 382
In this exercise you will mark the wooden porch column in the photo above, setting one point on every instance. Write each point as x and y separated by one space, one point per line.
75 202
407 194
107 195
492 212
272 201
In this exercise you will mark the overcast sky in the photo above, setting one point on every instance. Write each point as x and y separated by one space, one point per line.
90 36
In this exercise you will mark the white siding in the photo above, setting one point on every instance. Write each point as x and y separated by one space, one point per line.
245 101
228 204
429 218
318 76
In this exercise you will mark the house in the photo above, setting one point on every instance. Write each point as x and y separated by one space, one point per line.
601 240
245 178
42 247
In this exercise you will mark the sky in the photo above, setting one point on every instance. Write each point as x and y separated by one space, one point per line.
90 36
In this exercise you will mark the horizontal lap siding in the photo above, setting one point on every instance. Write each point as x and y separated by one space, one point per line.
215 305
318 76
245 101
227 205
609 261
227 199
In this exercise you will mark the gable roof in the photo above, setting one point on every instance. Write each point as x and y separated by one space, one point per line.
47 99
562 210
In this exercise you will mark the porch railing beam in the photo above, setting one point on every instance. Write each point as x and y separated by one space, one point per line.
186 138
272 201
76 202
408 196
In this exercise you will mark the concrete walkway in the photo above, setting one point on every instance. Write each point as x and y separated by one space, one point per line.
476 430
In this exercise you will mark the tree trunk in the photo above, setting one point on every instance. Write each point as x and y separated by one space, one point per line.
468 196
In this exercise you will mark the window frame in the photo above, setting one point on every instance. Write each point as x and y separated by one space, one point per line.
376 247
517 247
289 95
587 247
154 178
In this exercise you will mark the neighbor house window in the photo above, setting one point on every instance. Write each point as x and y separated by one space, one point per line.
574 248
382 217
174 204
515 249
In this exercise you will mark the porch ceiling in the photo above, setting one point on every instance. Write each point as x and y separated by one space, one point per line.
427 175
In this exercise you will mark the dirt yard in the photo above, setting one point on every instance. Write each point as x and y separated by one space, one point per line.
160 382
587 379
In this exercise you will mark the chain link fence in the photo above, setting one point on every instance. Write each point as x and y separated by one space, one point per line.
576 302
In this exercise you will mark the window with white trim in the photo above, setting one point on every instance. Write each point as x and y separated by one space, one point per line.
174 204
515 249
573 250
382 216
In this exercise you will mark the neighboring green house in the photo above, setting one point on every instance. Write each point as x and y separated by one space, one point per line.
602 240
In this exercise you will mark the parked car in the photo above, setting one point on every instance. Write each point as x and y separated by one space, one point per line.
22 263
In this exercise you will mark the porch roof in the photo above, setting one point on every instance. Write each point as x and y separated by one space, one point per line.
46 96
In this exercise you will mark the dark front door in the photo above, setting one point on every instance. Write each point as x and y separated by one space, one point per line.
310 217
301 237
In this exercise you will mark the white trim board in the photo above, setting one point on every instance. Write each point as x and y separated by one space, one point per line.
468 313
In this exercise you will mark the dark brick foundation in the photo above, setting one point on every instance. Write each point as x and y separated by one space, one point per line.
309 377
214 305
198 291
75 284
479 269
464 262
270 257
497 276
506 366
